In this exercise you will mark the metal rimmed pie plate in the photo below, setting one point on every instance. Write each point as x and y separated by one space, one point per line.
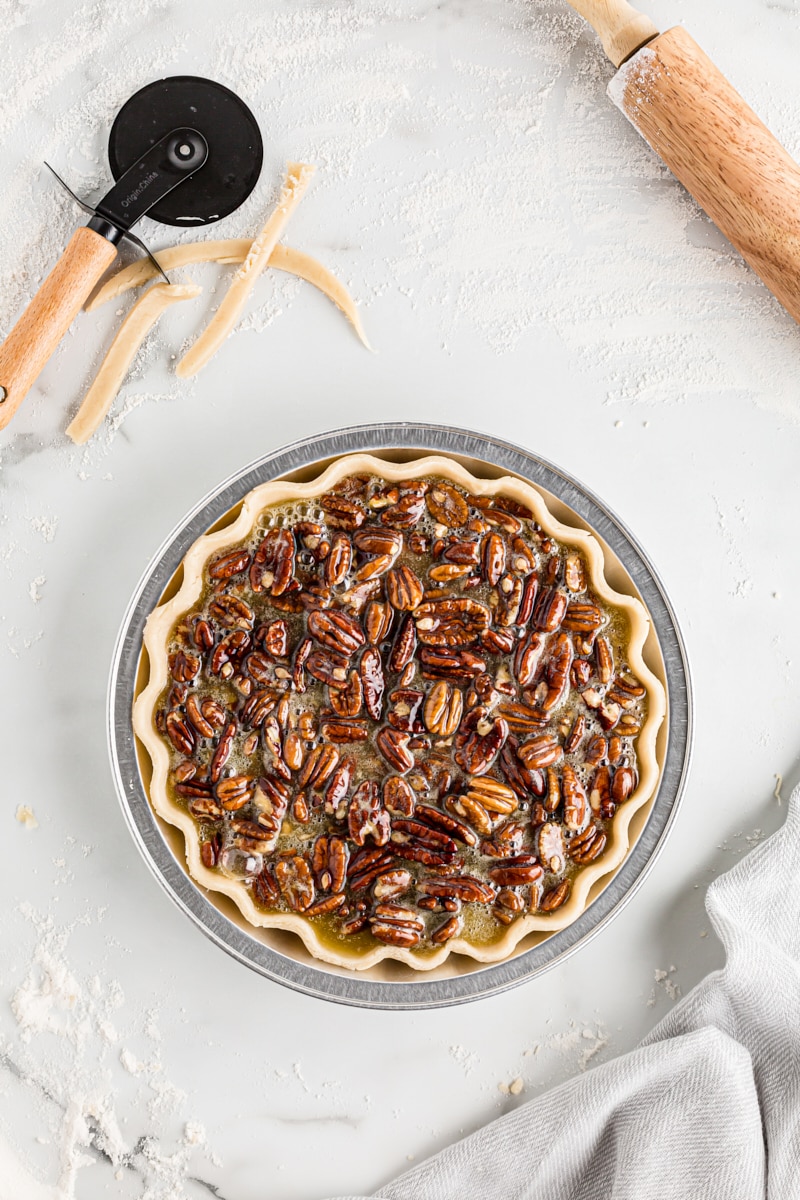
281 956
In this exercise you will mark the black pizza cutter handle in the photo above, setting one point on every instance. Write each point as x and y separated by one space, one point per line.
88 255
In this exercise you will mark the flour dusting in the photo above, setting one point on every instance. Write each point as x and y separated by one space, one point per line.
63 1056
522 207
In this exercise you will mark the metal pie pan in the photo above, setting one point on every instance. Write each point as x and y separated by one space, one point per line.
280 956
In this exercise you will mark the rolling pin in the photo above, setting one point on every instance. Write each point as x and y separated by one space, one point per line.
713 142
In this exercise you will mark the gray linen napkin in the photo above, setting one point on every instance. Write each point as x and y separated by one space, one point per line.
707 1107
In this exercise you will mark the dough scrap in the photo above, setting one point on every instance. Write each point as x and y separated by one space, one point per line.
129 337
233 250
297 180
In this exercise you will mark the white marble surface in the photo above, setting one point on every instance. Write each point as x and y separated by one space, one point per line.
667 380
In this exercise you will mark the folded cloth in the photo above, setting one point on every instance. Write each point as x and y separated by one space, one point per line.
707 1107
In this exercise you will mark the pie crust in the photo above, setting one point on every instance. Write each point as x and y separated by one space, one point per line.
163 619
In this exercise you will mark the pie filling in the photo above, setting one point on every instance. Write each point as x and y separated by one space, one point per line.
401 712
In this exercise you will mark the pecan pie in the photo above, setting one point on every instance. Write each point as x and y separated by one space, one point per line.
401 712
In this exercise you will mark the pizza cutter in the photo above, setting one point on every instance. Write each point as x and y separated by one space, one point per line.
184 151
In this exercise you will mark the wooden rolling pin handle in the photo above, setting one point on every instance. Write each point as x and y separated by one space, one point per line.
621 29
49 315
721 152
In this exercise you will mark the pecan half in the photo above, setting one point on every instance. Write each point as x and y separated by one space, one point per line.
390 884
366 816
231 612
258 706
273 563
341 512
493 558
403 588
265 889
455 665
318 767
541 751
575 573
336 631
449 928
298 666
203 808
522 718
409 831
550 609
623 784
582 617
492 794
443 709
327 667
395 925
296 882
455 622
222 751
372 681
405 645
393 745
550 847
479 741
556 672
398 797
527 658
506 841
228 565
183 667
366 865
338 560
467 888
522 780
462 553
443 821
338 786
385 543
327 905
588 845
378 621
405 514
447 506
624 691
516 871
555 896
604 658
180 733
576 805
344 730
249 836
596 751
347 701
448 572
235 791
403 714
472 811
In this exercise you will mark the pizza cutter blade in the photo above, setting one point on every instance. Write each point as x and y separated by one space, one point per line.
184 151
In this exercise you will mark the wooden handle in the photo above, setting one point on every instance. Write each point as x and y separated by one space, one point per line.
49 315
721 152
621 29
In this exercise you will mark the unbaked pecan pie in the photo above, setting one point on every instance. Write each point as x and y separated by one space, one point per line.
400 712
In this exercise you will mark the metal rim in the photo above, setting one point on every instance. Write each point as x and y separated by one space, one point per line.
347 987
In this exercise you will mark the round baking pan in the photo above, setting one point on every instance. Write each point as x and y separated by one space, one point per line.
281 956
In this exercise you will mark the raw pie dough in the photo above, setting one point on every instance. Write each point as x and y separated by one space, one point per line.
233 250
129 337
163 619
297 180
